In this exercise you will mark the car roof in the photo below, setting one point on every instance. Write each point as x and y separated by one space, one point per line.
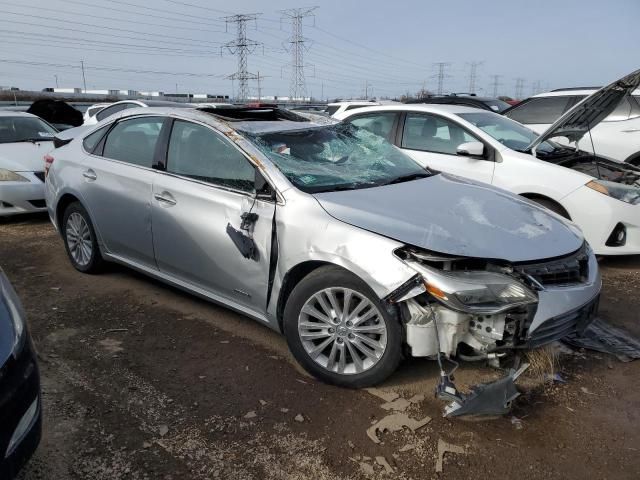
573 92
245 119
15 113
419 107
352 102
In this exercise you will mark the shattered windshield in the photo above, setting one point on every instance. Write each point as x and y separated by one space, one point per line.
508 132
337 157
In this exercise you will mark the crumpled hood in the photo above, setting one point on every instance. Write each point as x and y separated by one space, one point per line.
24 156
455 216
575 123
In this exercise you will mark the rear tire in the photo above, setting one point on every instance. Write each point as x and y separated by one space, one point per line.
356 345
80 239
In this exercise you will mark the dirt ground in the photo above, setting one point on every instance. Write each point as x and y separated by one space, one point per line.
142 381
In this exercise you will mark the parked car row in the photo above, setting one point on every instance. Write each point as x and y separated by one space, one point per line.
431 230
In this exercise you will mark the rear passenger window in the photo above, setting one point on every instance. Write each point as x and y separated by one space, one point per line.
134 141
379 124
91 141
195 151
540 110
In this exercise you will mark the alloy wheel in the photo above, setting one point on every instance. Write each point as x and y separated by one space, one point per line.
79 239
342 331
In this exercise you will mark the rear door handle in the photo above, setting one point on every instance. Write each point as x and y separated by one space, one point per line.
165 197
89 175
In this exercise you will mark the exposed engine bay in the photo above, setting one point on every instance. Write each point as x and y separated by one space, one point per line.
599 167
479 310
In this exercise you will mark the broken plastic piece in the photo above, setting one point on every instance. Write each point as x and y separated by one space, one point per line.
493 398
249 219
605 338
244 244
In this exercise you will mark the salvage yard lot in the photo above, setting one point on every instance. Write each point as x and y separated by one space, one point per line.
142 381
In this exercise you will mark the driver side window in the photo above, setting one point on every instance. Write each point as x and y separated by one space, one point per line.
433 134
195 151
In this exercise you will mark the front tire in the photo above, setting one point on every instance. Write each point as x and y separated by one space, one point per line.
553 206
339 331
80 239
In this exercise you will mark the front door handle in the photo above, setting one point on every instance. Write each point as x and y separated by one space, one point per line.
165 197
89 175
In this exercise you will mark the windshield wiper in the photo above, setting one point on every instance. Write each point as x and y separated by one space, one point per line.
408 178
344 187
30 140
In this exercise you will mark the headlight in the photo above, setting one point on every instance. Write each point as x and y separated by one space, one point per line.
9 176
476 292
619 191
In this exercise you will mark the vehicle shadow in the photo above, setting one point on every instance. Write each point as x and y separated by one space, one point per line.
621 262
25 219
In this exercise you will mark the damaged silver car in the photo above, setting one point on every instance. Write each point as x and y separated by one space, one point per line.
326 233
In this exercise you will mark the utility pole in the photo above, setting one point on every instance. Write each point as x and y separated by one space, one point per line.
259 87
473 75
519 87
56 76
495 83
441 75
84 80
297 44
242 47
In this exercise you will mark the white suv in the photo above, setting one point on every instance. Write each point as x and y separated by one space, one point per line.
616 137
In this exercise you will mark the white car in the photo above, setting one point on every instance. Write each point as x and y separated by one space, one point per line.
616 137
92 110
337 108
24 140
125 104
602 197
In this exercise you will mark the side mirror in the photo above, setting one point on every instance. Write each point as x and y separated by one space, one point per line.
470 149
262 188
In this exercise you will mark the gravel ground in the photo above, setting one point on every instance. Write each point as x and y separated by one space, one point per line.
142 381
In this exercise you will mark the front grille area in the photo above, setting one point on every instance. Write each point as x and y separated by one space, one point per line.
40 175
562 325
568 270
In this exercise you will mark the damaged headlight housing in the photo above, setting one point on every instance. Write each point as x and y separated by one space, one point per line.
476 292
619 191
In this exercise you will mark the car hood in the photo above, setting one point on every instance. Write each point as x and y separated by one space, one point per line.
24 156
451 215
575 123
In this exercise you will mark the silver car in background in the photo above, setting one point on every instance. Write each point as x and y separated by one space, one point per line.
326 233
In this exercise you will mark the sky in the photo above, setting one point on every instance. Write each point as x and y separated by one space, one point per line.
381 47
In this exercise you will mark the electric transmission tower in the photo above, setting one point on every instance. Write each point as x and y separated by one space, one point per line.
536 87
495 83
242 47
297 44
519 88
441 75
473 75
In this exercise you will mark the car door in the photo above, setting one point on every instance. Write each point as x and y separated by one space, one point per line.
208 183
379 123
118 177
432 141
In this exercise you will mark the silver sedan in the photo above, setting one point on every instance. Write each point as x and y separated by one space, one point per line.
326 233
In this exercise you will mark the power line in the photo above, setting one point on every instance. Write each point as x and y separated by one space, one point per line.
242 47
441 75
297 45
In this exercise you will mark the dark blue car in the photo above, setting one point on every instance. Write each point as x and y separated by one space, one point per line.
20 404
